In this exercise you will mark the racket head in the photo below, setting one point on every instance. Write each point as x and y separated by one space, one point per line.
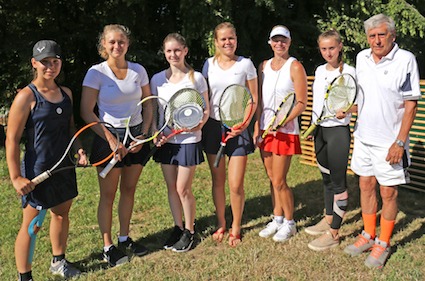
185 109
283 110
341 93
153 119
235 106
89 139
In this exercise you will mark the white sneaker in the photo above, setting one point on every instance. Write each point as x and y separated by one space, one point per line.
285 232
271 228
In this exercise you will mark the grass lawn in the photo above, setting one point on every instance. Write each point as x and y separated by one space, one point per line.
255 259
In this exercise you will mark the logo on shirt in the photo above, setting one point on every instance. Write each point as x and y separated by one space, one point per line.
59 110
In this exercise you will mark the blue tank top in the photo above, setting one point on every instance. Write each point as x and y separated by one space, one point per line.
47 133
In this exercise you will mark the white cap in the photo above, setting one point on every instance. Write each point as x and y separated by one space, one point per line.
280 30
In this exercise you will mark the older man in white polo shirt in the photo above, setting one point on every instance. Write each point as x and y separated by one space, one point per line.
388 79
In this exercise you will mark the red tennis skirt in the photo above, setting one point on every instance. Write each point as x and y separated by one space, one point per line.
281 144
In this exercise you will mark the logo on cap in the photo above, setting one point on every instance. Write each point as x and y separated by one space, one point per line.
46 48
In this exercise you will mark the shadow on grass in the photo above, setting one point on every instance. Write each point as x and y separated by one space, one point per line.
309 209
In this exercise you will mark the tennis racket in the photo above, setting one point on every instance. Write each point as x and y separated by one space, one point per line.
280 115
146 113
83 139
184 111
340 95
235 110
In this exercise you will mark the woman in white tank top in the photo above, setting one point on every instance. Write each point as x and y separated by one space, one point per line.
280 76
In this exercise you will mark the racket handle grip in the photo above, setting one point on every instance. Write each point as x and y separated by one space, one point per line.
151 153
219 154
42 177
308 132
108 168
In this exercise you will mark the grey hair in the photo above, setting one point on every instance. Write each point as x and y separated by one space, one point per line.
379 19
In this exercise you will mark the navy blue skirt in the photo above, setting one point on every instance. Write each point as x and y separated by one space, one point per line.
180 154
240 145
54 191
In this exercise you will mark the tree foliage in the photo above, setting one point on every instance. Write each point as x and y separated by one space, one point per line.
348 17
76 24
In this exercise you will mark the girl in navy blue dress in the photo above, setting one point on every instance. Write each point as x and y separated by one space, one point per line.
42 113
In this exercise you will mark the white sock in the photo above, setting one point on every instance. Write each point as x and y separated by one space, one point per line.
106 248
290 222
278 219
122 238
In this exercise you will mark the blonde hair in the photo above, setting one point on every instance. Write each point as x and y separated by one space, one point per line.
111 28
334 34
216 29
182 41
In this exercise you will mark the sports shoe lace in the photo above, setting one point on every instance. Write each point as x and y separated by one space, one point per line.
361 240
377 251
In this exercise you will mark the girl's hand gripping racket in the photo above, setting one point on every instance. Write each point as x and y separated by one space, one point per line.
81 146
78 153
183 112
340 95
147 112
280 115
235 109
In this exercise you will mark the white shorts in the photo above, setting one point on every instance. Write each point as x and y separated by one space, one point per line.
369 160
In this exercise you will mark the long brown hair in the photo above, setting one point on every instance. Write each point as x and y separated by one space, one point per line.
182 41
333 33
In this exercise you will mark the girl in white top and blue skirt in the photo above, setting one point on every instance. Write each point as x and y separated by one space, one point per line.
222 70
180 155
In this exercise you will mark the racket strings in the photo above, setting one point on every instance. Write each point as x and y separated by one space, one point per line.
235 105
341 95
185 109
95 145
89 141
153 120
284 109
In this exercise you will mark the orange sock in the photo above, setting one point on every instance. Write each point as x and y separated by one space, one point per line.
387 228
369 221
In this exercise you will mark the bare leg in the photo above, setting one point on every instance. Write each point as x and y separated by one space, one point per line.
237 166
218 183
108 188
129 178
59 227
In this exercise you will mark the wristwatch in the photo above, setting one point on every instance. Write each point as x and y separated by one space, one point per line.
399 143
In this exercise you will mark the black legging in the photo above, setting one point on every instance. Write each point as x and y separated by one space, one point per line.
332 145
